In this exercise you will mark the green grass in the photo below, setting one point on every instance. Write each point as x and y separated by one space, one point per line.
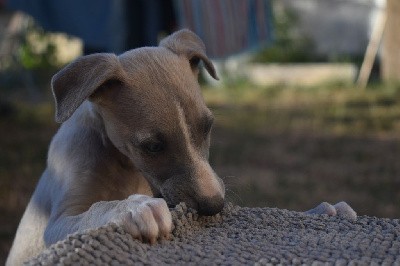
335 109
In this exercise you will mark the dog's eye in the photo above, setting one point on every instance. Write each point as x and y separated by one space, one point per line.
194 61
154 147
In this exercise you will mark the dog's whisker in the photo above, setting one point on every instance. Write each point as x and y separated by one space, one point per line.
228 176
231 181
234 195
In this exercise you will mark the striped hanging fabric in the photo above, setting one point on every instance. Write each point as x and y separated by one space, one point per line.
227 27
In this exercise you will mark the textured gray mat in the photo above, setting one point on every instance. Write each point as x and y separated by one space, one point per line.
240 236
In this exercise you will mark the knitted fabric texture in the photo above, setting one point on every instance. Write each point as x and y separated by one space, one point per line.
239 236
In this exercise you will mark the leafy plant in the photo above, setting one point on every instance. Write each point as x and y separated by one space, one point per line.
37 49
287 46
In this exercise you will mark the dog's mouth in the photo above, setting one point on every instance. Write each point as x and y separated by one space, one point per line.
172 203
202 205
157 194
173 194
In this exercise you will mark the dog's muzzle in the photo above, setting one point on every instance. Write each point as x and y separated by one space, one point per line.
207 207
174 194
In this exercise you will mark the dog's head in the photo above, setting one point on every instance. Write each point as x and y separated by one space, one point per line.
151 105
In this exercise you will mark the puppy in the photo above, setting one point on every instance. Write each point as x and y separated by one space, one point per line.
134 140
135 129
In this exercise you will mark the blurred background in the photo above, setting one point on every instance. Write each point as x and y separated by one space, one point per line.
307 109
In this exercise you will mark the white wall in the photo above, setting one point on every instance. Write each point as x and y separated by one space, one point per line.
335 26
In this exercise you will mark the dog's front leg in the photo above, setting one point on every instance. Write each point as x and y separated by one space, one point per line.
144 217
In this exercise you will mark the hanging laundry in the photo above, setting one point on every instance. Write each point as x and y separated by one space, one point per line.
227 27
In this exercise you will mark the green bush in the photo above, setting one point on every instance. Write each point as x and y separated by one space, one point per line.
37 49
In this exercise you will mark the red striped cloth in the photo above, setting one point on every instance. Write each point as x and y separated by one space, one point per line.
227 26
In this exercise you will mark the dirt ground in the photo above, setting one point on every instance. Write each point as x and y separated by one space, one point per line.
297 170
276 147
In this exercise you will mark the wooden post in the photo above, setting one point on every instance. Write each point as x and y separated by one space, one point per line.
372 49
390 65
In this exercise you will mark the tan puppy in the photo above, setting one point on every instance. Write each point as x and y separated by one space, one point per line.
135 126
135 138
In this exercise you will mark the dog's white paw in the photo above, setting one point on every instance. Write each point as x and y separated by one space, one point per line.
145 218
341 209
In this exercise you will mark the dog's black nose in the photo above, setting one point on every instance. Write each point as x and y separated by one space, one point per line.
211 206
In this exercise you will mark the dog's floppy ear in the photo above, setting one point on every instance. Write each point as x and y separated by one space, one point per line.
185 42
80 79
